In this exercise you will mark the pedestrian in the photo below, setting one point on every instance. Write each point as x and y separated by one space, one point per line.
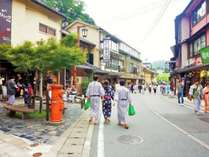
132 88
155 88
150 88
107 102
4 90
124 100
27 93
140 88
11 90
94 92
206 96
196 93
180 91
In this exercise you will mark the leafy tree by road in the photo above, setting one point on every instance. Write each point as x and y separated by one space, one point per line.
72 9
43 56
163 77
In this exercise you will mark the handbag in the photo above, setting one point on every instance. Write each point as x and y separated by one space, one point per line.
87 104
131 110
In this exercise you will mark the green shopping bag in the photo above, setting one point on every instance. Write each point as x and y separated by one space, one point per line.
131 110
87 104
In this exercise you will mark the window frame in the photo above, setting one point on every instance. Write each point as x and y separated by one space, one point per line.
195 12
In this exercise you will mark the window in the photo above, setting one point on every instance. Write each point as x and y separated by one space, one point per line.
51 31
199 13
191 50
42 28
47 30
195 46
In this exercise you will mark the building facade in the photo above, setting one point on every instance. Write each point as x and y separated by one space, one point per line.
113 57
26 20
191 35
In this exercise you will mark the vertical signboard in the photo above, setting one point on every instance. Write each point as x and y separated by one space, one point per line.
5 21
106 50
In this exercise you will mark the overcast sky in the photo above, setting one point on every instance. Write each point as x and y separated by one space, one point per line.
147 25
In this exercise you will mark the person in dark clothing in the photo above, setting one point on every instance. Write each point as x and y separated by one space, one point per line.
11 91
140 88
28 92
107 103
132 88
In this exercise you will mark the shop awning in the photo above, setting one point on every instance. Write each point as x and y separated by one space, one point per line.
191 68
93 68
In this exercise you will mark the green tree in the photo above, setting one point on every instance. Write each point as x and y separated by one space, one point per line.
69 40
163 77
72 9
43 56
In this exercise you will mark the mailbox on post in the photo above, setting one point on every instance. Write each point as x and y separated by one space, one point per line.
57 104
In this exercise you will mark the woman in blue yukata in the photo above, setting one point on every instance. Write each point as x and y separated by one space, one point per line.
107 102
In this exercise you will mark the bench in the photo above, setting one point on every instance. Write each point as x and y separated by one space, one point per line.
19 108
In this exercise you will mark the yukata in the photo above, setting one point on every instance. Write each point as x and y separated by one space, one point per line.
206 99
95 91
196 91
107 102
124 99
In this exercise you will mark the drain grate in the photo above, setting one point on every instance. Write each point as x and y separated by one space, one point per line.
129 139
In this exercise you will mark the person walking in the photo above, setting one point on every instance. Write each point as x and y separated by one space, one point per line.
124 100
140 88
196 93
206 97
107 102
155 88
94 92
150 88
180 92
11 91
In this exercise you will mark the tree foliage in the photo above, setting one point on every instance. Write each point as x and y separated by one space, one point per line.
43 56
70 40
163 77
72 9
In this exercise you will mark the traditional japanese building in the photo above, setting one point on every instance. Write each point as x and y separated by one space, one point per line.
191 35
26 20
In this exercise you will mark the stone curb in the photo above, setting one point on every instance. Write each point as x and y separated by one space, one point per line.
66 143
61 141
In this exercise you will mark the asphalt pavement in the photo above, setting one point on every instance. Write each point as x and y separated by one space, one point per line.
161 128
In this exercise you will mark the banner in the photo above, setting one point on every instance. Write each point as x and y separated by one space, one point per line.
204 53
106 50
5 21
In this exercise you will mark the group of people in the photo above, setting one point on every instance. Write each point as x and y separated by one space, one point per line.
142 88
120 94
197 93
13 88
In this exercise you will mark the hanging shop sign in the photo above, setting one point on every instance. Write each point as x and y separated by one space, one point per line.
106 50
204 53
5 21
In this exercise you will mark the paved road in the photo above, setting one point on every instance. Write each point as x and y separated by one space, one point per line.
167 130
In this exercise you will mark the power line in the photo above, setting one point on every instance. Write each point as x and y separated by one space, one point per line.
157 20
139 11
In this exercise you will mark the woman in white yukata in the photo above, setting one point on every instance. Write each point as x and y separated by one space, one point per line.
123 99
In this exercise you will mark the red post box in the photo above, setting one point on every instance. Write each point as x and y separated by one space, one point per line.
57 104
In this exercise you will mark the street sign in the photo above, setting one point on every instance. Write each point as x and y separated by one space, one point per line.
204 53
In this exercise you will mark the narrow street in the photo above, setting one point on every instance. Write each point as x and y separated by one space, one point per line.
161 128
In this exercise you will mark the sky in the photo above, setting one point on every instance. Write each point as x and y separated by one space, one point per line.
147 25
